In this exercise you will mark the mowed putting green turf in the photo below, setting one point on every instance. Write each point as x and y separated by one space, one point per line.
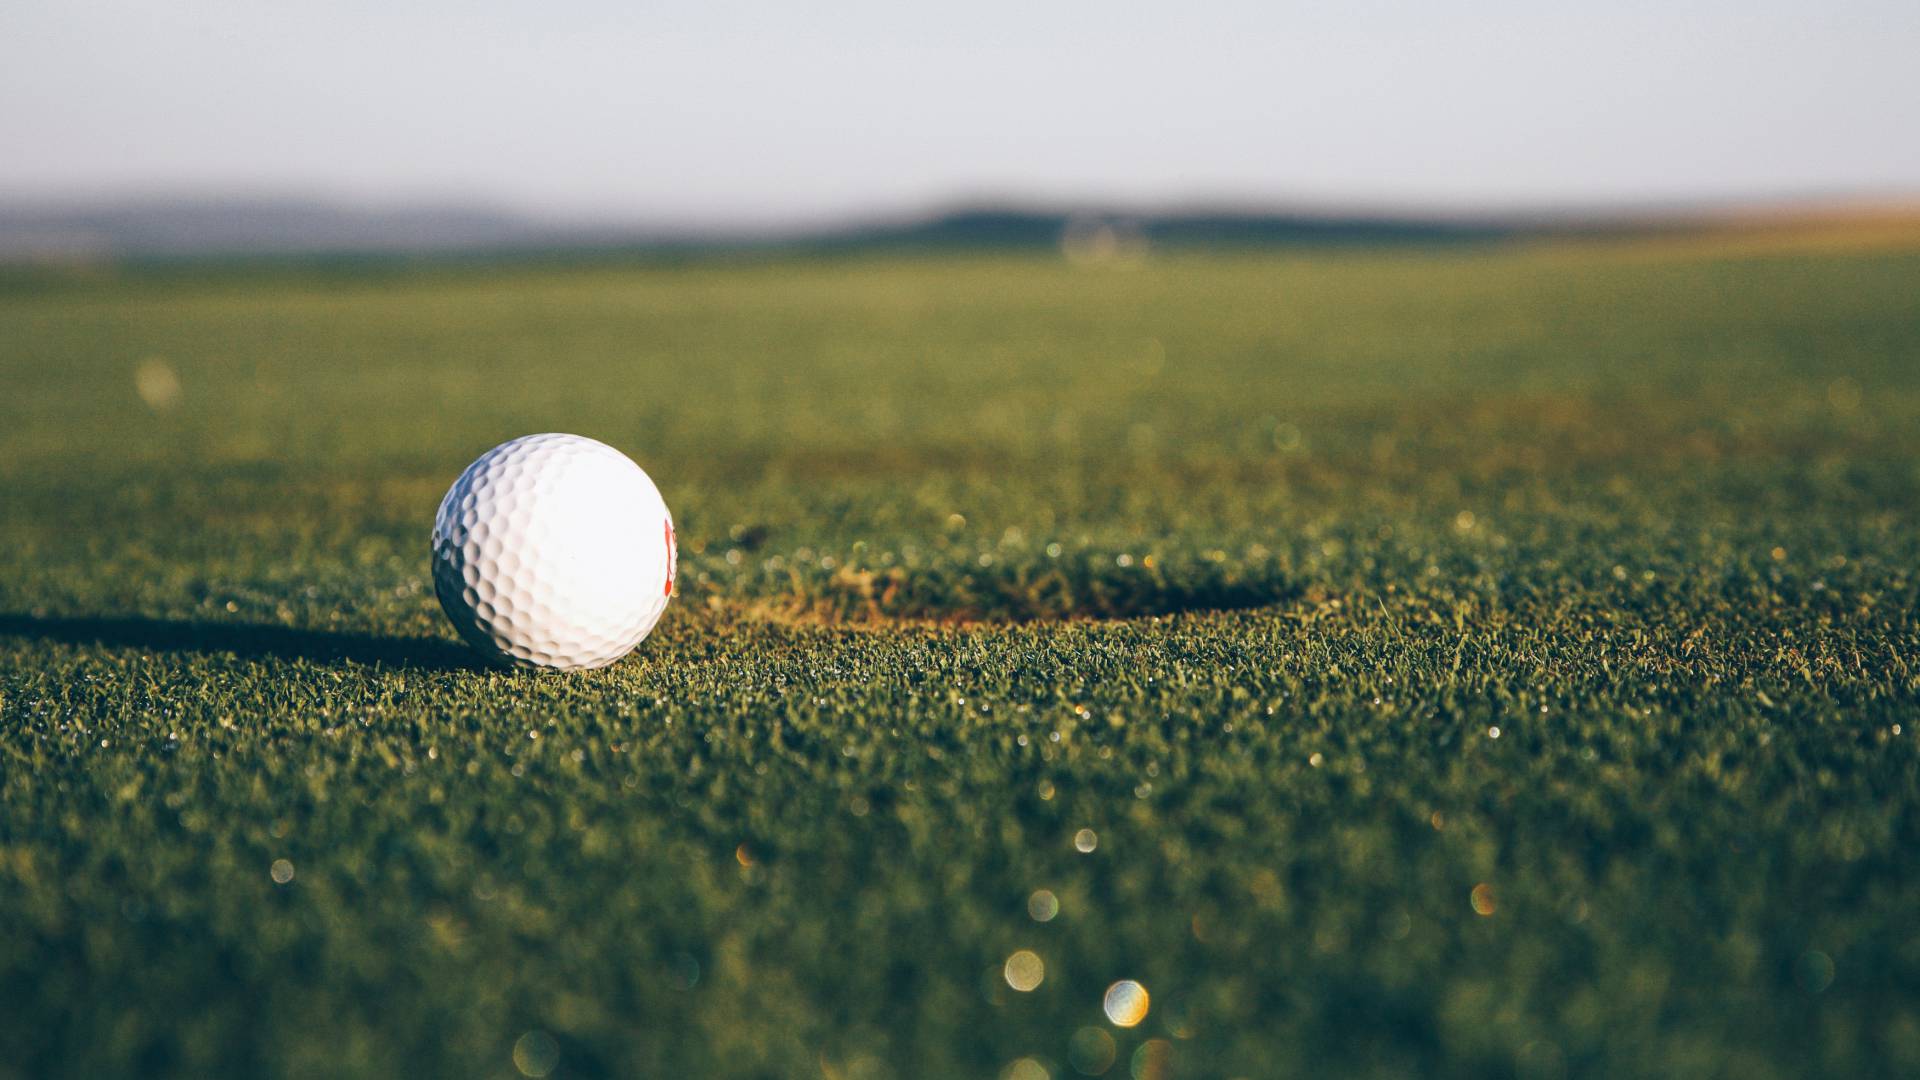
1456 662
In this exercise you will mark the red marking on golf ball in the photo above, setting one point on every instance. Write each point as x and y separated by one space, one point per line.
673 558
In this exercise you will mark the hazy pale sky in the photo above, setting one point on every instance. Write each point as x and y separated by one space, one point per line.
731 110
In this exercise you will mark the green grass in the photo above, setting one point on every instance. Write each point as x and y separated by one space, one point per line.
1322 589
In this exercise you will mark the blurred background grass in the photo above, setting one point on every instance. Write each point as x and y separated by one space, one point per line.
977 410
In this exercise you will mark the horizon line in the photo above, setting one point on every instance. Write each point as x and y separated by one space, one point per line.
880 213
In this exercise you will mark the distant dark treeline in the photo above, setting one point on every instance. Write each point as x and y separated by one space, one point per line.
254 228
988 228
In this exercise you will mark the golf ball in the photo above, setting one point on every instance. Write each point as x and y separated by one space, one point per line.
553 551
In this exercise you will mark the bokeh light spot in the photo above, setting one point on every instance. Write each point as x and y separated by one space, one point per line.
1816 971
1126 1003
1091 1051
1153 1060
535 1054
1024 970
157 384
1025 1068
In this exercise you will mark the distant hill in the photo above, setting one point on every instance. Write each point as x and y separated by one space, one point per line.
268 227
991 227
161 228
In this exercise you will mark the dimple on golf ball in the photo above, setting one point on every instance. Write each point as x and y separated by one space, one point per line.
553 551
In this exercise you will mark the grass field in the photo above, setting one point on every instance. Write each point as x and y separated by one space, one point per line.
1470 662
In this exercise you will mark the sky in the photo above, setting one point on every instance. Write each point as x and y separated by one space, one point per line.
736 112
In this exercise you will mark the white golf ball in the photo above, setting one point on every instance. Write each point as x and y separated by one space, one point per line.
553 551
